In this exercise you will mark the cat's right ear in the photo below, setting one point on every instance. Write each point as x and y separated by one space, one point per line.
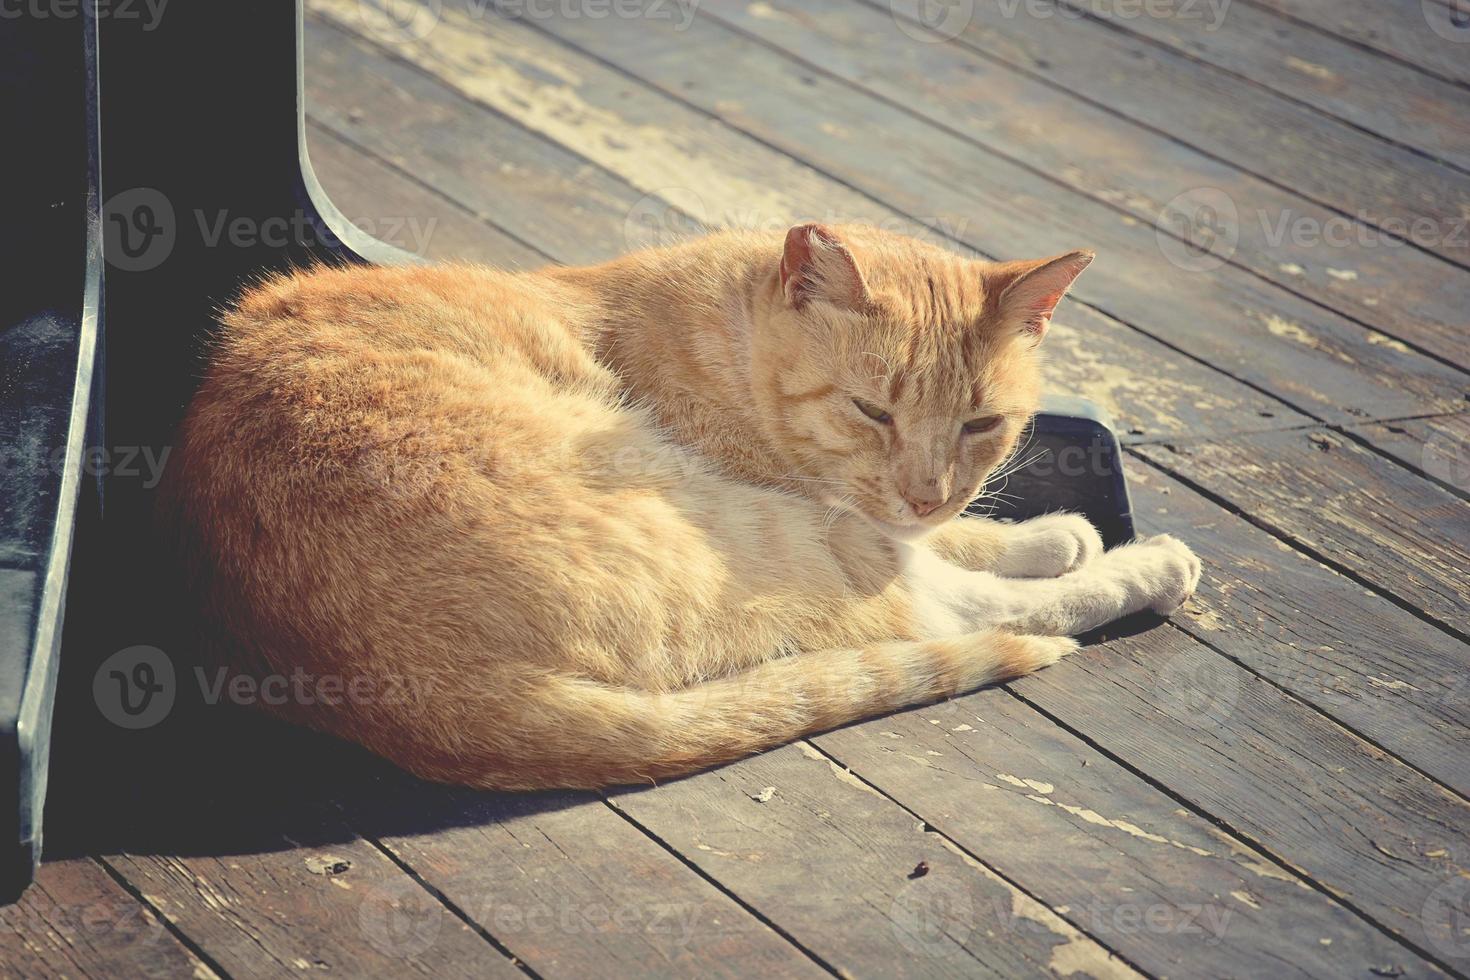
815 265
1030 291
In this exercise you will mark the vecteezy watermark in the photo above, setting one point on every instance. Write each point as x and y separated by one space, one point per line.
1199 229
408 470
117 925
143 463
141 230
1446 457
931 21
1202 228
150 12
399 20
1200 690
934 916
676 920
1206 921
1446 918
401 918
1450 19
402 21
1212 12
672 215
137 688
681 12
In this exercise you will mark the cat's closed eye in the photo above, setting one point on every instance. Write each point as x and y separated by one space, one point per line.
873 412
984 424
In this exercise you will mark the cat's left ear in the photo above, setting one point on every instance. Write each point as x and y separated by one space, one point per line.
1030 291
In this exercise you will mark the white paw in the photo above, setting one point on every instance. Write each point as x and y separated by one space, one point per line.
1169 570
1048 547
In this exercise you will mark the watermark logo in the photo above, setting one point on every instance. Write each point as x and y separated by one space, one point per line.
1450 19
1201 691
932 21
1447 459
135 688
396 21
1199 229
138 229
400 919
932 916
1446 916
668 217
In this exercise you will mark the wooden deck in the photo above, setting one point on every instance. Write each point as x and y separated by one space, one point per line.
1272 784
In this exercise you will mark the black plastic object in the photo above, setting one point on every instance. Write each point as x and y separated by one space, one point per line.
1073 463
206 186
50 288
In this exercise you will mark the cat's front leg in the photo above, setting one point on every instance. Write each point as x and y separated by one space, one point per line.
1043 547
1156 574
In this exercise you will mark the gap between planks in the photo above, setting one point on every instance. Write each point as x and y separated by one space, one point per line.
1450 7
1225 827
1285 284
1297 544
1275 182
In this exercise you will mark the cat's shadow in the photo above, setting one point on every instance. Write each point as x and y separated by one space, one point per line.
227 781
221 780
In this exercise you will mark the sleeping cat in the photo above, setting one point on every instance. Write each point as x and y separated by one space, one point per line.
618 523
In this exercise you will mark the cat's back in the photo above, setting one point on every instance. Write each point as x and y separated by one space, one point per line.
314 373
499 319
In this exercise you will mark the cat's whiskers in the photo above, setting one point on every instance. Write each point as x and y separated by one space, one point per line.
843 503
811 479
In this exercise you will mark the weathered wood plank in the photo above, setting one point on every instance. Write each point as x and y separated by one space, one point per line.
568 886
581 217
1374 667
1229 318
1380 95
75 921
1290 144
1277 234
848 874
1365 827
479 160
299 893
1438 447
1350 505
1161 885
1431 35
384 202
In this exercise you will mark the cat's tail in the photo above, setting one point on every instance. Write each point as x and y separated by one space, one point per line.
572 732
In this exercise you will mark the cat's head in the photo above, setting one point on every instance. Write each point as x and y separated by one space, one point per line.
898 376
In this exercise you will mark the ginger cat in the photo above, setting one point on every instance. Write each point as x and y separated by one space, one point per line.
624 522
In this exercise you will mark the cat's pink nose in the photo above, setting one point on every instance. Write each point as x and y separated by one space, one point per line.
924 502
